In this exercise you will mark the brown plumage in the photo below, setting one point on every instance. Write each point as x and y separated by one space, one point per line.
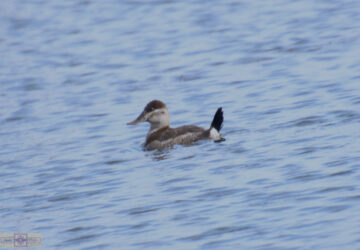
155 104
161 135
166 136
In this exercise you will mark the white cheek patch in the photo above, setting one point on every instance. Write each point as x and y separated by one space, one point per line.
147 116
215 135
161 115
156 113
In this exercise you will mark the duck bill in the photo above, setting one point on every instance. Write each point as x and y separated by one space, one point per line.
141 118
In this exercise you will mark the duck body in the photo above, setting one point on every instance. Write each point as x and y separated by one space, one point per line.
161 135
166 136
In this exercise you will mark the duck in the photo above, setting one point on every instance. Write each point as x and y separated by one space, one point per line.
161 135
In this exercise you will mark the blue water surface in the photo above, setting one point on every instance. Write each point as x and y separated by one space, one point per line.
287 74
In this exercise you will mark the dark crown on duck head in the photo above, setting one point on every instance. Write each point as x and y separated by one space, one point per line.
151 106
155 104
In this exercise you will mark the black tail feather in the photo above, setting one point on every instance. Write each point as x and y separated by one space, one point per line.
218 119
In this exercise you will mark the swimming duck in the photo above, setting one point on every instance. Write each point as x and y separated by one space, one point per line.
161 135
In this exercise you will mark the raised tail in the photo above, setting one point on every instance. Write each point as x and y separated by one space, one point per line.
216 126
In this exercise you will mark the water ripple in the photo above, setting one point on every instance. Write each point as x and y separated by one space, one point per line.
287 79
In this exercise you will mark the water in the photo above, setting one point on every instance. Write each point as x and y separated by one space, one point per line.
286 73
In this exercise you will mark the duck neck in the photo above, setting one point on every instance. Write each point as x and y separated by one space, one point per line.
157 126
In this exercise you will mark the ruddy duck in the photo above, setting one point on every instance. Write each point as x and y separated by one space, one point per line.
161 136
